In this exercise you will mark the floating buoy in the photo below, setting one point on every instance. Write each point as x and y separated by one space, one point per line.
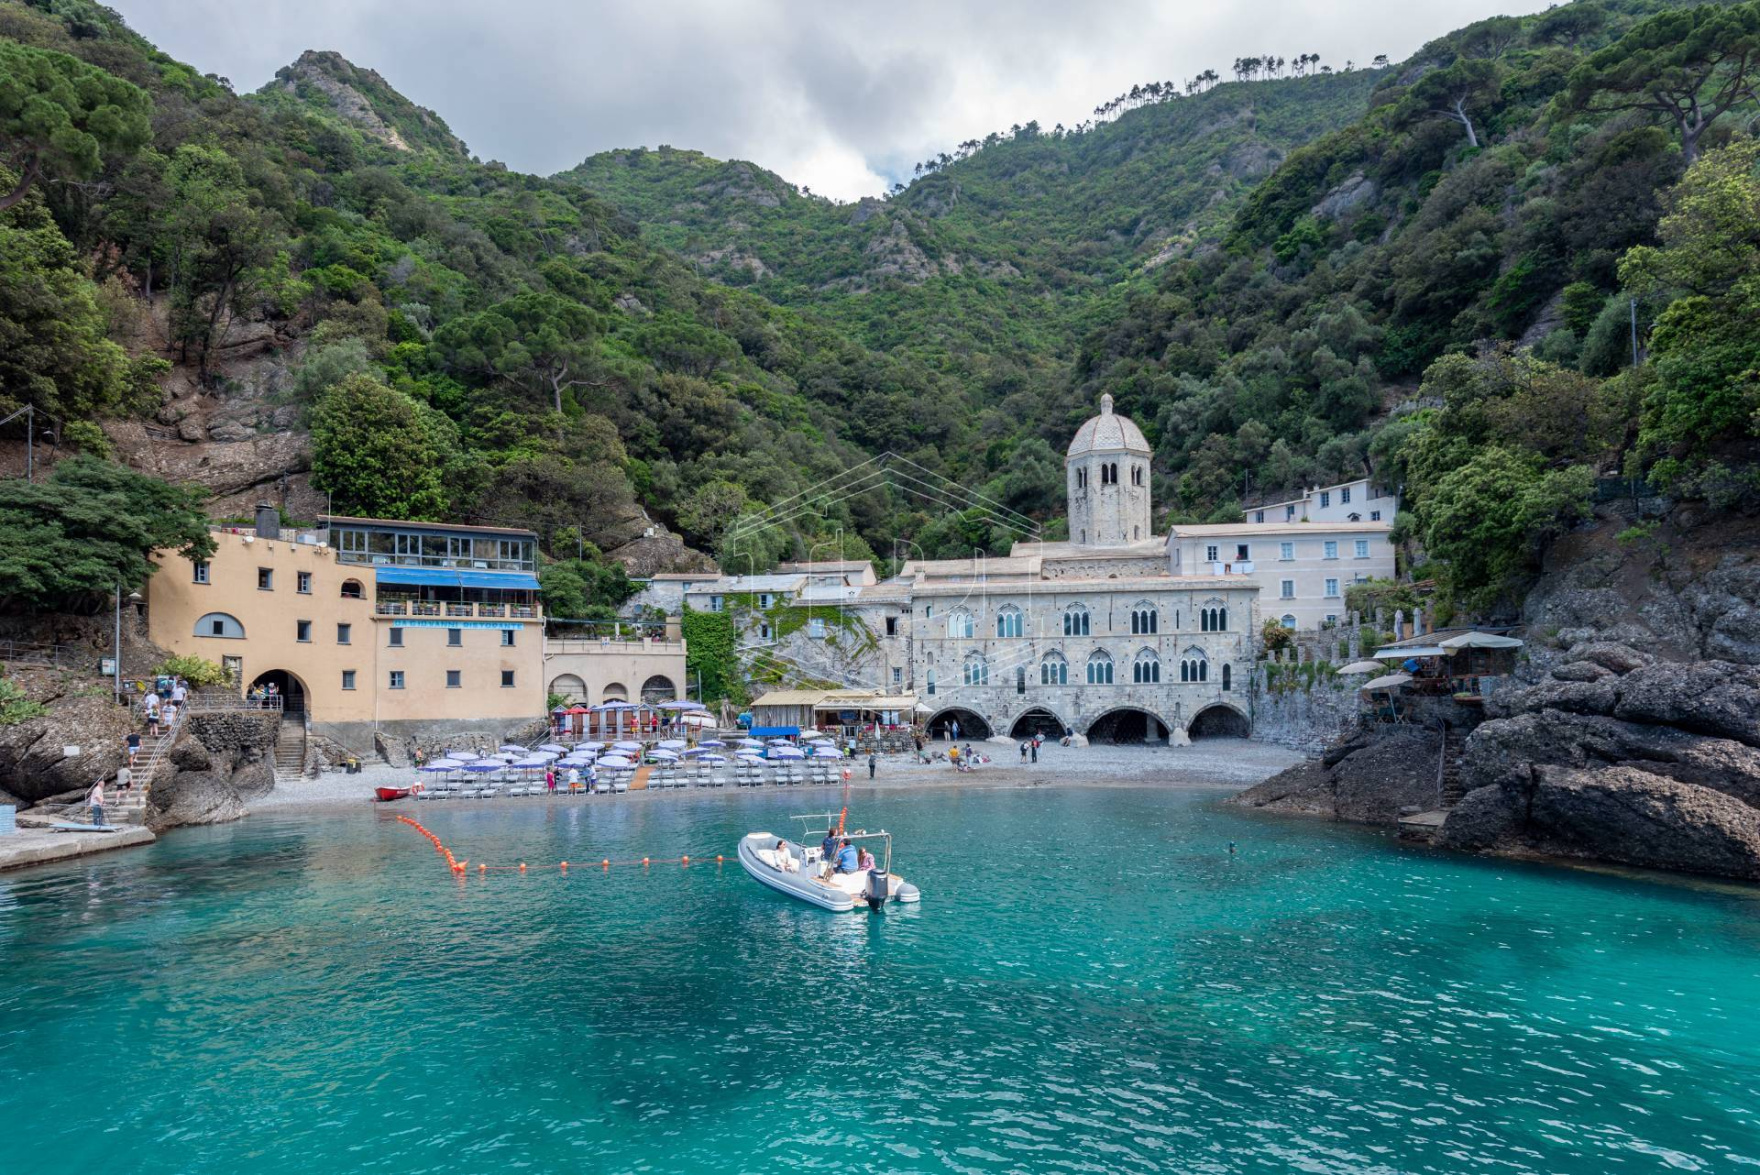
644 860
719 858
482 868
684 861
565 866
605 864
522 866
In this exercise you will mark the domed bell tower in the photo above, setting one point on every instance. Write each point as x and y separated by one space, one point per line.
1107 473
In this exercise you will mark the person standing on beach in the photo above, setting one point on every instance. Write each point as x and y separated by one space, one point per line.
1024 751
550 779
95 798
873 761
953 728
1035 745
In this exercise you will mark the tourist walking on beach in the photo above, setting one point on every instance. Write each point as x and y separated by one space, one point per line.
1024 750
872 763
95 798
953 729
550 780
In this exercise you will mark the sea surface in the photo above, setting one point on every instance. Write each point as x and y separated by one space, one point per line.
1091 983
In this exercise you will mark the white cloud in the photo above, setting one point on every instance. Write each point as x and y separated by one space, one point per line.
839 97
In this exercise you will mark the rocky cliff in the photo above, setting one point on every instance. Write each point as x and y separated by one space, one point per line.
1631 734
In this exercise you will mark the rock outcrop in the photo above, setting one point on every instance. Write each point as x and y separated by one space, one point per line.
82 713
1616 756
1372 780
220 761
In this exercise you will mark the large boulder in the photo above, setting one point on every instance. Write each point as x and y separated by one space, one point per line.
1486 818
1373 781
219 762
1305 790
34 764
1717 698
1634 817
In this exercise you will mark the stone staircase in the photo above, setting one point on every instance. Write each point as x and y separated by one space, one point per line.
1452 788
130 807
290 748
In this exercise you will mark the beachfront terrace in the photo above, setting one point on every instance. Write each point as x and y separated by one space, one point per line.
450 609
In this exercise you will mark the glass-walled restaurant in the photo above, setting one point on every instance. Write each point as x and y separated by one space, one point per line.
436 570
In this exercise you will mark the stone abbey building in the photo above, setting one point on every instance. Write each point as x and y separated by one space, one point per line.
1116 634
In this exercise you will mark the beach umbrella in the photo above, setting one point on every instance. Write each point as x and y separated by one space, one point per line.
814 734
711 742
750 757
553 748
1356 667
615 761
662 756
1391 681
714 760
626 745
514 747
530 764
463 756
544 756
827 753
685 704
672 744
589 746
484 768
780 742
786 752
1479 640
431 768
751 742
690 752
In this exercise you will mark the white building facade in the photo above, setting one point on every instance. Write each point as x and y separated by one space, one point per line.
1117 634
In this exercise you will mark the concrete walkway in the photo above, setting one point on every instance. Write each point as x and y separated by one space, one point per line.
39 846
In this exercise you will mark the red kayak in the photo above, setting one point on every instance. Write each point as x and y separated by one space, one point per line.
388 794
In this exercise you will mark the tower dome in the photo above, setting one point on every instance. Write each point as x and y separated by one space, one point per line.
1108 433
1107 472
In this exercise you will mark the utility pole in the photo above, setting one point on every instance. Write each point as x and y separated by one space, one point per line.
1634 307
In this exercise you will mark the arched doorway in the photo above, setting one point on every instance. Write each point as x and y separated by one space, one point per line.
294 698
971 724
615 692
1125 727
1219 721
569 688
1037 721
659 688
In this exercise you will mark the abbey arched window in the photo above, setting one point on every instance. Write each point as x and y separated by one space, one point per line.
1075 621
1053 670
1213 617
1020 679
1145 620
1194 666
1227 682
1136 475
977 670
1109 473
1146 669
1100 669
1288 620
1081 479
1009 622
220 624
960 626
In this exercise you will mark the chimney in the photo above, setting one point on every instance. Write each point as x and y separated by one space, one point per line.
268 521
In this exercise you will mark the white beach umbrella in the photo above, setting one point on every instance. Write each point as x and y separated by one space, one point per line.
711 742
1391 681
751 742
672 744
463 756
626 745
554 748
1356 667
1479 640
787 753
658 756
810 734
615 761
827 753
515 747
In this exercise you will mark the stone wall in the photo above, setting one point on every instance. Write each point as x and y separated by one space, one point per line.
1304 716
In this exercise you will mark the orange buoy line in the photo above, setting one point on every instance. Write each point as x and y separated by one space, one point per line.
604 864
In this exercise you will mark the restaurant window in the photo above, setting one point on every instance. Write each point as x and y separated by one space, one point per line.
348 679
302 583
201 572
265 579
507 679
396 679
394 638
454 637
454 678
302 631
344 634
1344 496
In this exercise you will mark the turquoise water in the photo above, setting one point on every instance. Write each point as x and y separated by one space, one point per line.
1091 984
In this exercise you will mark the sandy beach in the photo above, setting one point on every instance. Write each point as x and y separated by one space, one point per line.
1233 763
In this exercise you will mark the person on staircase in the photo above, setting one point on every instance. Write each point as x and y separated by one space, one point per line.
95 799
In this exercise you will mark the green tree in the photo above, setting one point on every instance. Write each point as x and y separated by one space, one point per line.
380 453
584 589
68 542
1691 65
539 342
58 116
709 510
216 240
1455 92
1491 516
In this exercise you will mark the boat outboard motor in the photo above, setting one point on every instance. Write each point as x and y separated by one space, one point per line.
879 882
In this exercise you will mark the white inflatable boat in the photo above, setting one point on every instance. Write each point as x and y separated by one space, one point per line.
798 870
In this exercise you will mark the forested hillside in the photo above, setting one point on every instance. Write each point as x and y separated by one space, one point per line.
1439 271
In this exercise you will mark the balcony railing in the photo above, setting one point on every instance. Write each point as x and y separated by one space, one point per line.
455 611
450 562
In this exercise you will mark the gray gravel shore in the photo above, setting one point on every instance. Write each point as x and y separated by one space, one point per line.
1236 763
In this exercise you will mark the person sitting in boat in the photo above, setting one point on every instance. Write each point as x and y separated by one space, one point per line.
784 860
865 861
848 860
828 847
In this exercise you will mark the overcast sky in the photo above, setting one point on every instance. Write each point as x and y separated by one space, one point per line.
843 97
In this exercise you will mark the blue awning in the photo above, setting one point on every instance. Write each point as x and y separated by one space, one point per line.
507 581
775 731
